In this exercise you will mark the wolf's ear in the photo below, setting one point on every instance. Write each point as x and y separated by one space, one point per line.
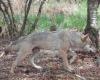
84 37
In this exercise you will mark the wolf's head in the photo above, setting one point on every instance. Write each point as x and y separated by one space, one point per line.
88 45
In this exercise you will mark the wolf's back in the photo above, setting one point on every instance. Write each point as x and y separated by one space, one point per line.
48 40
45 40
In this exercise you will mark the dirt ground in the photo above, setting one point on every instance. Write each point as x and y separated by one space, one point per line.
52 64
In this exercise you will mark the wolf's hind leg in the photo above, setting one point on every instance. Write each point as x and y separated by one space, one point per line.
20 56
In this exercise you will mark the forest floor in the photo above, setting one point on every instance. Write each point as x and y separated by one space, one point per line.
53 68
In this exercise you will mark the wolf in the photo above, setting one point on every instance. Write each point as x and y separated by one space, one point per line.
63 41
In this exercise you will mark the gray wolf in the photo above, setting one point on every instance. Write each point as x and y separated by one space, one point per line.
64 41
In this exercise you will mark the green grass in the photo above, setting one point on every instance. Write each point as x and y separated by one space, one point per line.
44 23
76 20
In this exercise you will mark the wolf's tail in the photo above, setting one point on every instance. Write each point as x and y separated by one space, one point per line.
35 65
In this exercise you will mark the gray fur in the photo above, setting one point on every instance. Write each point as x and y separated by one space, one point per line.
57 40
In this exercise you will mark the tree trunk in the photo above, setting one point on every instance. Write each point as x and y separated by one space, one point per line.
9 19
38 15
27 9
91 26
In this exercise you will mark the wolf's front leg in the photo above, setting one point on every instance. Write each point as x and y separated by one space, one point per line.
66 65
73 56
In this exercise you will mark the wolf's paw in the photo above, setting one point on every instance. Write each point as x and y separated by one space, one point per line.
71 70
12 71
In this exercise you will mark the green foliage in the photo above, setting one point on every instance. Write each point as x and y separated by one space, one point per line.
2 22
76 20
44 22
73 21
59 18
